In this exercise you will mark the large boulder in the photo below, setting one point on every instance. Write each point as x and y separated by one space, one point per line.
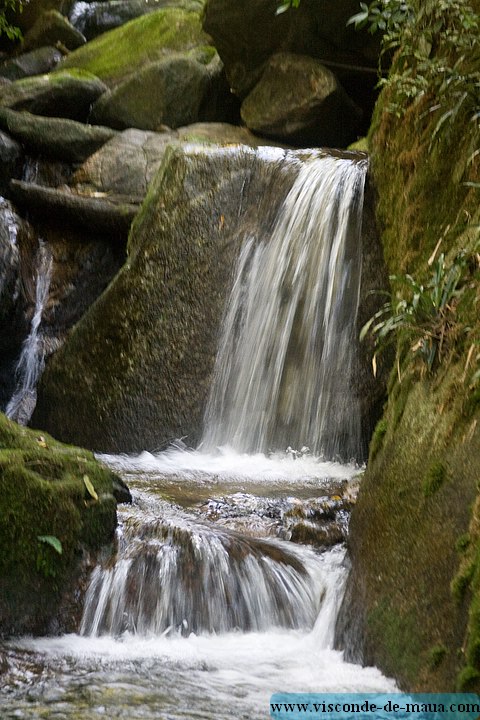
172 91
127 164
136 370
36 62
67 94
52 28
247 33
298 99
137 367
57 505
55 137
95 18
123 52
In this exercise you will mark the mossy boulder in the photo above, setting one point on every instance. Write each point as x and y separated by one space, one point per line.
141 359
57 505
67 94
123 52
96 18
59 138
172 91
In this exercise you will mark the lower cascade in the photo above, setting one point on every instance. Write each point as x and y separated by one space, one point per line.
213 601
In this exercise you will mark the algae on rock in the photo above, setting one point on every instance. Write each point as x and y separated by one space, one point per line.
49 523
421 482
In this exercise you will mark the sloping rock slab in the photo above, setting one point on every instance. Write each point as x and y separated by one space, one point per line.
135 371
55 137
59 94
112 216
128 163
298 99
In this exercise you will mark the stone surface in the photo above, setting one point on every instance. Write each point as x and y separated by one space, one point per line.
43 495
66 140
109 215
59 94
169 92
121 53
128 163
299 100
52 28
145 350
31 63
11 161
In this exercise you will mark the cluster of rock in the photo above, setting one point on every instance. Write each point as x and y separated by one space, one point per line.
86 117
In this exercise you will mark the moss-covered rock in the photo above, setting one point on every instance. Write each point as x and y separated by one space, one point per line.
171 92
121 53
49 520
27 64
414 587
137 368
67 94
55 137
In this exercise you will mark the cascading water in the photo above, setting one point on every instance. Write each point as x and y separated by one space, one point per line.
207 608
31 362
284 367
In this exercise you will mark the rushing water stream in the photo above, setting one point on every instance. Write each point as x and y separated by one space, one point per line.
212 602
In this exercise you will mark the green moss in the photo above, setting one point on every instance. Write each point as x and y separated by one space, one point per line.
117 54
436 656
42 493
402 639
468 680
377 437
434 478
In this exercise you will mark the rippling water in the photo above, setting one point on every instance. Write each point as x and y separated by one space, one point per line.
178 675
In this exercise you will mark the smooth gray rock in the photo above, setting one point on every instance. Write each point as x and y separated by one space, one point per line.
31 63
58 138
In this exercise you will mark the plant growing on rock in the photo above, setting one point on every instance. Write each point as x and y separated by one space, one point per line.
425 315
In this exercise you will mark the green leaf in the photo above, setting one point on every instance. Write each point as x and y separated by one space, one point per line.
90 488
51 540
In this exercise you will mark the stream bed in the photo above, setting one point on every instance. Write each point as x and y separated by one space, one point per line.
209 607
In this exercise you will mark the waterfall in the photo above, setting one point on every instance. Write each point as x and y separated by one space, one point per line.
288 341
31 362
194 578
